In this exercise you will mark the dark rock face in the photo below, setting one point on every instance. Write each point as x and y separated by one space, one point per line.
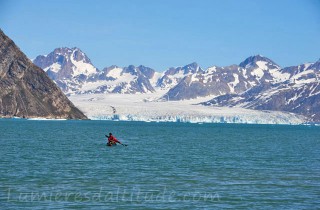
299 100
26 90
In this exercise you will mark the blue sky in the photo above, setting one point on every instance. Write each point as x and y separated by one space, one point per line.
165 33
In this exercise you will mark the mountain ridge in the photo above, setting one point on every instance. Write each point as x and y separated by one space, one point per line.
256 74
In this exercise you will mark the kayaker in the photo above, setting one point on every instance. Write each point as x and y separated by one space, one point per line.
112 140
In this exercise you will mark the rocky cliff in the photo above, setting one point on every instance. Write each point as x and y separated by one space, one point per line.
25 89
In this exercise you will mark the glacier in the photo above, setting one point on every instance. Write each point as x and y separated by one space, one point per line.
146 107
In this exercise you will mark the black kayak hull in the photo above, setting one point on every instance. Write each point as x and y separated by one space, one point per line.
111 145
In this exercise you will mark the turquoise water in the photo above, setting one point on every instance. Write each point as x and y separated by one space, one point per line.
65 164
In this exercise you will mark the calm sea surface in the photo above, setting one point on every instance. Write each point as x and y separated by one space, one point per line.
65 164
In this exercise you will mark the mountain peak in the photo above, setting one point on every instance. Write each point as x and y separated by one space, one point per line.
191 68
192 65
252 60
62 50
67 50
315 66
65 62
76 49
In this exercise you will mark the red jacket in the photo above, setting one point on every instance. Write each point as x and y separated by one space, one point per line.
113 139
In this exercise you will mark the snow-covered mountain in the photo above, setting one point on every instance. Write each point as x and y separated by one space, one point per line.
74 73
256 83
173 76
114 79
234 79
69 68
65 63
298 93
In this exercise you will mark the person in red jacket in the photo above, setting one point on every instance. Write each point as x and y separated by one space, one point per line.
112 140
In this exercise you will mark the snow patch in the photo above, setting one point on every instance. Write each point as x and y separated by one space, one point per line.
81 67
155 78
262 65
55 67
258 72
298 78
115 73
278 76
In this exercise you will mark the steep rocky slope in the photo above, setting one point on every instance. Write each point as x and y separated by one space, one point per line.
25 89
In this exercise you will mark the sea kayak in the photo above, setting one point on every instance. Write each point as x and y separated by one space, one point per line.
109 144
